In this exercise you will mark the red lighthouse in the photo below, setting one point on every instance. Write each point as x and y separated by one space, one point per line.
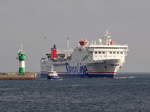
54 53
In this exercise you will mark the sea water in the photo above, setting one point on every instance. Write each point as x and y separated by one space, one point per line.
124 93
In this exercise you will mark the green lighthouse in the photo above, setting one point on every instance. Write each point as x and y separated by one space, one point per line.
22 58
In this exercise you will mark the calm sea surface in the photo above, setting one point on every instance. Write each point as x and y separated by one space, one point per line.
125 93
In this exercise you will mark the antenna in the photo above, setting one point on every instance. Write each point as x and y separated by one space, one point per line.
68 45
20 48
68 42
107 34
108 37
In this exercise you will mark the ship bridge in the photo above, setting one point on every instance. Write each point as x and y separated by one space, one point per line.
106 48
102 52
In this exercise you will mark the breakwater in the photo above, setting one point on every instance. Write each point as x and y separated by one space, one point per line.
16 76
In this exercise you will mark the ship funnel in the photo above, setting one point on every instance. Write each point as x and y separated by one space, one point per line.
83 42
54 52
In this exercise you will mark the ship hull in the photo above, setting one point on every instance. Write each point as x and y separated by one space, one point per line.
45 75
105 68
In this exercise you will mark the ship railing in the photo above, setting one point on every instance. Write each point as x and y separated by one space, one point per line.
65 51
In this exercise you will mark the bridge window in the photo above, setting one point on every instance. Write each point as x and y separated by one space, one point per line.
95 52
99 52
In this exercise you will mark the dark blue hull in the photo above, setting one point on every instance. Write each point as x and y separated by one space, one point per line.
44 75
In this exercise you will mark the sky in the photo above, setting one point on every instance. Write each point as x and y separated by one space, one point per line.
38 24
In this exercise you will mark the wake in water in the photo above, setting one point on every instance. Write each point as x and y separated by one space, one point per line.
124 77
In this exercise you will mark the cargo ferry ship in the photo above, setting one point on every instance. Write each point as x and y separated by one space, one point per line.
102 57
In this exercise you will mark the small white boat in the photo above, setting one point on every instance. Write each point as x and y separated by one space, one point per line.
52 74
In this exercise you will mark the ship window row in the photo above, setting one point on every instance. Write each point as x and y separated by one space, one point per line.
111 47
115 52
111 52
99 52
